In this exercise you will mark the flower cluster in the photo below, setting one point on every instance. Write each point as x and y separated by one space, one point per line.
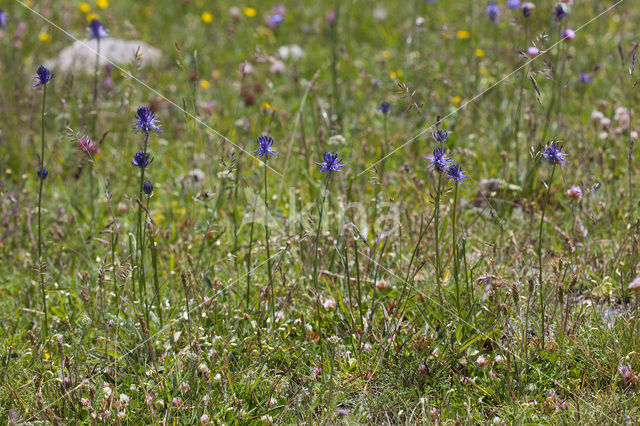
553 154
97 30
146 121
443 164
264 147
331 163
43 76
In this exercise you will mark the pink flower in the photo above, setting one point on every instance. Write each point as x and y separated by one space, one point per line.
533 51
575 192
86 145
568 34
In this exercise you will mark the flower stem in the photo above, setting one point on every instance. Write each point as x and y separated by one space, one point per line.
266 233
437 238
540 290
456 264
45 328
315 257
140 242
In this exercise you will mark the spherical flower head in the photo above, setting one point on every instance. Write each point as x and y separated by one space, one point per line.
532 51
560 10
528 8
513 4
440 135
439 161
455 173
585 77
97 30
568 34
146 121
142 159
493 11
3 19
86 145
554 155
42 173
275 20
264 147
147 187
43 76
331 163
384 107
575 192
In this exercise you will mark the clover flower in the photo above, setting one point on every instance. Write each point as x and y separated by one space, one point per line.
146 121
43 76
97 30
141 159
264 147
331 163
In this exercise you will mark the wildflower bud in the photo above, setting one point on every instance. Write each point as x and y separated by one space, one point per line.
44 173
533 51
568 34
527 9
575 192
147 187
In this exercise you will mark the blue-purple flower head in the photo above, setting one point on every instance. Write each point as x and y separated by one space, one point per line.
493 11
439 161
42 173
147 187
265 149
585 77
43 76
440 135
97 30
3 19
331 163
513 4
560 10
455 173
554 155
142 159
146 121
384 107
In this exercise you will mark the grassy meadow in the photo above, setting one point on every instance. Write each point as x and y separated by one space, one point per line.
320 212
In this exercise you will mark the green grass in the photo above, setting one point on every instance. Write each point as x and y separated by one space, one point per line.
376 339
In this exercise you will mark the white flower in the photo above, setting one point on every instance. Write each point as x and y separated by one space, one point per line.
329 304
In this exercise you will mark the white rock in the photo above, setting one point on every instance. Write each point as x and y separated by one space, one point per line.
80 57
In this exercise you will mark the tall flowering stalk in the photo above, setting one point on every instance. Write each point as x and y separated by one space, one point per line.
553 154
96 31
457 176
146 123
439 162
43 76
264 150
331 165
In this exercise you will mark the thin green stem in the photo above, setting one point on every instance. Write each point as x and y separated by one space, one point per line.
540 283
266 238
455 245
140 242
315 256
41 176
437 238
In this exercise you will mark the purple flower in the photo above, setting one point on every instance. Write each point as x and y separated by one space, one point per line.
44 173
568 34
560 10
264 147
384 107
331 163
455 173
141 159
43 76
527 9
3 19
97 30
554 155
439 161
440 135
585 77
513 4
275 20
147 187
493 11
146 121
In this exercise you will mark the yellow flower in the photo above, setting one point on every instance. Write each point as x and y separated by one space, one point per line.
479 53
205 83
250 12
386 54
463 34
484 71
394 74
44 37
266 105
103 4
84 7
207 17
457 100
92 16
